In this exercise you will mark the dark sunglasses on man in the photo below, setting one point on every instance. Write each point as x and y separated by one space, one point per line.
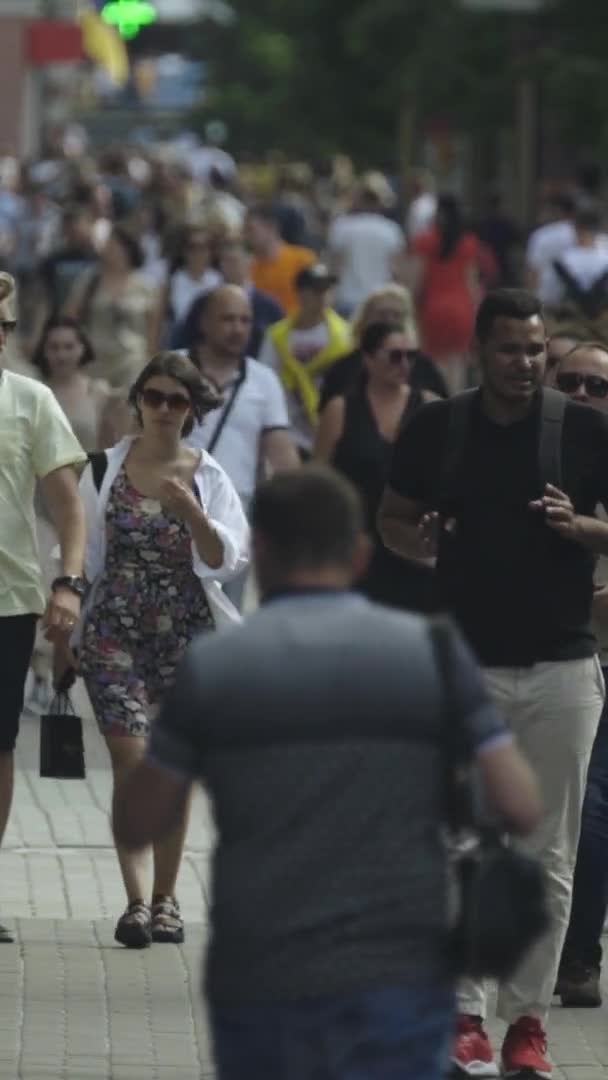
571 381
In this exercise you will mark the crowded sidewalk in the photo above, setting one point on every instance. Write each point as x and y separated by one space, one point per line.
74 1005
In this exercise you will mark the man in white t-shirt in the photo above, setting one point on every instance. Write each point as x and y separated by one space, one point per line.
363 246
584 267
546 244
250 431
36 445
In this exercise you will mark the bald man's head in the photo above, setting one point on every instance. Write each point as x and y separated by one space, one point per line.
226 322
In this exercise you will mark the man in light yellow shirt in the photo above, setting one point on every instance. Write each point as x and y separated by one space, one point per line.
36 444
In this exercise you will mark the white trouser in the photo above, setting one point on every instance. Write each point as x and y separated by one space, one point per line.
553 710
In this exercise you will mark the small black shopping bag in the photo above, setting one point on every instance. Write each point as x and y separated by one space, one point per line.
61 745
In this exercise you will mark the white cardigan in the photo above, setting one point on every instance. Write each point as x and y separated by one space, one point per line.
221 505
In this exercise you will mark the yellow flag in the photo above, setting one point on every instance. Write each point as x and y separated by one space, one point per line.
103 44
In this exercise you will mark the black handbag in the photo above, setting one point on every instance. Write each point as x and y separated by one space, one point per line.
61 743
500 897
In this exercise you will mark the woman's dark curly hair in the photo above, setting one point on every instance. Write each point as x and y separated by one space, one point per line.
61 322
204 397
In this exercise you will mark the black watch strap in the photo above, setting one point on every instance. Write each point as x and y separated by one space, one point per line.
76 584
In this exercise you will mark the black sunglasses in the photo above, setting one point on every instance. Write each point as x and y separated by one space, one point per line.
570 382
397 356
8 325
155 399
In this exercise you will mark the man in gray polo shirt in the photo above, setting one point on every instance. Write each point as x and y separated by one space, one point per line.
316 728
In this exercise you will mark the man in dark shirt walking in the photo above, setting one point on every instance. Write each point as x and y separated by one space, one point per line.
316 728
515 562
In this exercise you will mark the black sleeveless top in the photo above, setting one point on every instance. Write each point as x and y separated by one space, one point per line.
364 455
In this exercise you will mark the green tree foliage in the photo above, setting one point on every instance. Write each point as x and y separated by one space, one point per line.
311 77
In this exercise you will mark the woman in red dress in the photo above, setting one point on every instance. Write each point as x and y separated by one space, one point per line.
444 271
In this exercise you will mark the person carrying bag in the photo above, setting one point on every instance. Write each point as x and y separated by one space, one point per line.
499 894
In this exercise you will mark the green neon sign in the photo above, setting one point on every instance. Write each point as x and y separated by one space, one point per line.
129 16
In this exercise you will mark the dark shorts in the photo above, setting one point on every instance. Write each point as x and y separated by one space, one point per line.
17 633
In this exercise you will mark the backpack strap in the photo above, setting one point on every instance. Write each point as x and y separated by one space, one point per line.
549 449
99 463
597 297
459 421
573 289
550 437
591 301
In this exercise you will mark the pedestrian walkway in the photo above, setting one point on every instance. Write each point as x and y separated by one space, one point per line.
73 1005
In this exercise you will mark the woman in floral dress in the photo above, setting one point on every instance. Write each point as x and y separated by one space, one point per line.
164 528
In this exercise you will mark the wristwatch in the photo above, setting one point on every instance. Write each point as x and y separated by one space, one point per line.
77 584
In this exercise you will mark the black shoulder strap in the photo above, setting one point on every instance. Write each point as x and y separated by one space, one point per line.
227 409
591 301
550 437
459 803
568 279
99 464
459 419
597 295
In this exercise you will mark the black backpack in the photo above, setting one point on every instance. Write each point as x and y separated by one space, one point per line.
592 301
549 443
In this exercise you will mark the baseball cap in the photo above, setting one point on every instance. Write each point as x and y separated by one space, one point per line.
316 276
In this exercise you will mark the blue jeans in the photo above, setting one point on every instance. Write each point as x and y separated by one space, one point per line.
590 888
393 1033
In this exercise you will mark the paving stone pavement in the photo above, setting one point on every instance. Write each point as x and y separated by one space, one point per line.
73 1005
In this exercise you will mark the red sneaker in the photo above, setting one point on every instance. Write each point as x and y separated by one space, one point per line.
472 1054
524 1050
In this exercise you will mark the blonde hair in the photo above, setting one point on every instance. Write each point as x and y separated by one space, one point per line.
392 291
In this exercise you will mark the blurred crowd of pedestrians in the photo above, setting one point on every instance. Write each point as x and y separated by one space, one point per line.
436 440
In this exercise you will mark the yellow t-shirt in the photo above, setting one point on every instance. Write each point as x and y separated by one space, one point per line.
35 439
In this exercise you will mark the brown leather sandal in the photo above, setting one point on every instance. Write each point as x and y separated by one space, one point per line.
167 922
134 928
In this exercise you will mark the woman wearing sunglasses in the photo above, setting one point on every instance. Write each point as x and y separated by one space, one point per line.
164 528
356 434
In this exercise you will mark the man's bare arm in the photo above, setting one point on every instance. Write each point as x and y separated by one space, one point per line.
510 786
278 451
399 523
61 496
